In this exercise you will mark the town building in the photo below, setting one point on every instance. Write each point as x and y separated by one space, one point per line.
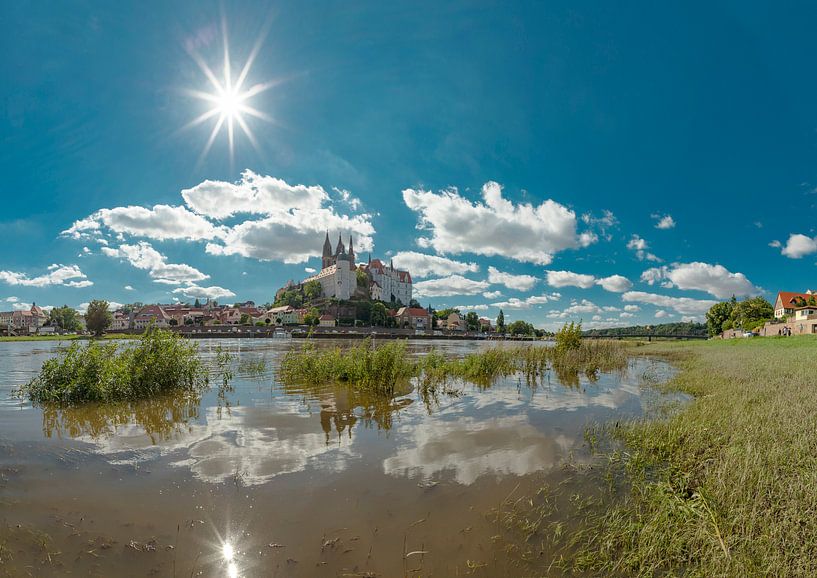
284 315
391 284
787 302
326 320
151 315
120 321
485 325
413 317
454 322
23 320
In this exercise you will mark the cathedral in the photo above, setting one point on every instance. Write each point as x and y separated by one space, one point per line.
338 275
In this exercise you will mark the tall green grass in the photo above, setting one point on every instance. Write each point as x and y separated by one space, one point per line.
373 368
723 487
379 367
159 362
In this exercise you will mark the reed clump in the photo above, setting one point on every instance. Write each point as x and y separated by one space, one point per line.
160 362
373 368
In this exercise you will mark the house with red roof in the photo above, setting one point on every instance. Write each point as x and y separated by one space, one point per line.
414 317
787 302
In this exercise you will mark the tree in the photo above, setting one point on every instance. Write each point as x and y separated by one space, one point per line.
245 319
750 313
520 327
718 314
313 317
291 297
413 303
362 279
444 313
500 322
312 290
472 321
66 318
197 304
379 314
97 317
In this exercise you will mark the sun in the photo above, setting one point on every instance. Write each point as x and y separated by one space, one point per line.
229 102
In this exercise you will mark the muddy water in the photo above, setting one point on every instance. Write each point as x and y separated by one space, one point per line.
265 480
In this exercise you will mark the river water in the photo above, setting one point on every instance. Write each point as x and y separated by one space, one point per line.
268 480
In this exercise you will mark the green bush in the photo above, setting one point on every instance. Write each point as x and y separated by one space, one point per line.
569 337
161 362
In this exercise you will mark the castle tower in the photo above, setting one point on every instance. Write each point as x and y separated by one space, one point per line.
326 259
341 249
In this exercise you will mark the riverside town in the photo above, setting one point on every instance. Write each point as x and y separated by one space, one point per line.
421 289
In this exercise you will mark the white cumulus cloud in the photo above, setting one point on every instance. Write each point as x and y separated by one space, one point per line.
269 220
665 222
143 256
193 291
569 279
683 305
495 226
640 247
713 279
449 286
798 246
65 275
421 265
527 302
613 283
511 281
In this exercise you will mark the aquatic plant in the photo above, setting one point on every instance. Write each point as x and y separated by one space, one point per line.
366 366
159 362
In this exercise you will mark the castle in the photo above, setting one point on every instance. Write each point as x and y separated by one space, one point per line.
338 275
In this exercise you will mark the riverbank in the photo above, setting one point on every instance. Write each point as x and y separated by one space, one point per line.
723 487
14 338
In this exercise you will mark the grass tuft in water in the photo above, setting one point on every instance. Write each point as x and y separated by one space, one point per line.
160 362
365 366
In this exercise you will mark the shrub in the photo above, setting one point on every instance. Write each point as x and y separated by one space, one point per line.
161 362
569 337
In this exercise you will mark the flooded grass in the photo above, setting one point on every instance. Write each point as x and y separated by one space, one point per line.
375 368
378 367
722 487
161 362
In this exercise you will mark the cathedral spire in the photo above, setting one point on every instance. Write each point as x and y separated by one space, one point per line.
341 249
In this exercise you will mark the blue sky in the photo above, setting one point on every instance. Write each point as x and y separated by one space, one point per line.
535 148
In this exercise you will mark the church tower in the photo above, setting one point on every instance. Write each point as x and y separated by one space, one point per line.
341 249
351 254
326 259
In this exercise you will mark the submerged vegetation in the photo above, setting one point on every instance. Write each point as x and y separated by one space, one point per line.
380 367
160 362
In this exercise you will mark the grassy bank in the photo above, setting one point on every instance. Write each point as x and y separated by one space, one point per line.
725 487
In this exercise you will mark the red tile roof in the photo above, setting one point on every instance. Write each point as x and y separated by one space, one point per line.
788 297
413 311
